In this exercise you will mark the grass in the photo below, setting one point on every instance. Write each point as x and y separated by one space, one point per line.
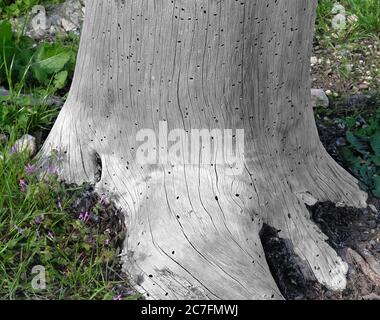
350 56
44 66
41 225
41 220
365 25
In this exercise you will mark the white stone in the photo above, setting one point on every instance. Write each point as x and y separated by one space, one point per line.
26 144
53 19
68 25
314 60
3 138
4 92
319 98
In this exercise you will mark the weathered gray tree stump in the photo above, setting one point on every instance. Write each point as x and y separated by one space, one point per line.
193 230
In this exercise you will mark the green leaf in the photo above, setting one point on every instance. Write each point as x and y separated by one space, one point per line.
349 157
60 79
367 173
5 32
376 160
355 142
375 143
86 246
49 59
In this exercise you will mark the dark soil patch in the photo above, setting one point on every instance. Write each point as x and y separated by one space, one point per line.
287 268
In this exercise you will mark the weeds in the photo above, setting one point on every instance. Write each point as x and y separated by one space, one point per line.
362 152
48 65
363 20
42 224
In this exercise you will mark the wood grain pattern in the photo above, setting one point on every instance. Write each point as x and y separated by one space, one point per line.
193 231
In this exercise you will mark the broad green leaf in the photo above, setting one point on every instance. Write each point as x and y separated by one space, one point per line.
5 32
349 157
60 79
49 59
356 143
367 173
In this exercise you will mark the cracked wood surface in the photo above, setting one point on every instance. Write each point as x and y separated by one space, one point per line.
193 231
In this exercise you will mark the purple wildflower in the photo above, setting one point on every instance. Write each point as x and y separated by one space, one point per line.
51 169
23 185
84 216
30 169
107 242
14 149
103 200
118 297
50 235
59 204
39 219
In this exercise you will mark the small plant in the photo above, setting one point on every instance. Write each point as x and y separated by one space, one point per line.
23 61
362 153
69 232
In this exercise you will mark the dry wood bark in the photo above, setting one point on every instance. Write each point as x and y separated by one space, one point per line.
193 231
